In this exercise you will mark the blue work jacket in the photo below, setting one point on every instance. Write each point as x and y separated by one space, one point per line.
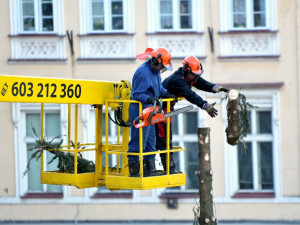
146 83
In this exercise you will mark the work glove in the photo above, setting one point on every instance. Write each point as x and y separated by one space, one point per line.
210 109
169 95
217 89
151 100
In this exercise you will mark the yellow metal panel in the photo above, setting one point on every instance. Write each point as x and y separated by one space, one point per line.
55 90
83 180
137 183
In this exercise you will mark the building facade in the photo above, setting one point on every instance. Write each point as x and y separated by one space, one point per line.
248 45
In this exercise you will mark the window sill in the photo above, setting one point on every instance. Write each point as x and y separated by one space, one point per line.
127 195
247 31
250 57
253 195
175 32
43 196
176 195
31 61
106 34
35 35
252 85
104 59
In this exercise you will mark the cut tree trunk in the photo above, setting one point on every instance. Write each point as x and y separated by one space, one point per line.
205 179
233 129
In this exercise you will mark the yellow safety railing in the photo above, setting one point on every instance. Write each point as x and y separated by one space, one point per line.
102 93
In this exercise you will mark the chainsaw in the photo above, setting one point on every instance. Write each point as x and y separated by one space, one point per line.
154 114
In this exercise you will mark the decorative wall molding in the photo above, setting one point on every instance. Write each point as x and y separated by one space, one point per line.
37 47
106 47
249 44
179 45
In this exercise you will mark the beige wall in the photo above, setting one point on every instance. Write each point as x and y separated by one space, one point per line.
284 69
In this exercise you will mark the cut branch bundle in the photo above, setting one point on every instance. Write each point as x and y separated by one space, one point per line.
65 159
238 117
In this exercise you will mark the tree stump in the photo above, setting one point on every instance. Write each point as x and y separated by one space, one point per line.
233 129
205 179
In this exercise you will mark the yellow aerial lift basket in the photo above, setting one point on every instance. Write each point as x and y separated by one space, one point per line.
98 93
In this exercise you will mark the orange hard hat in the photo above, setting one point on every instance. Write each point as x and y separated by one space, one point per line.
193 64
159 55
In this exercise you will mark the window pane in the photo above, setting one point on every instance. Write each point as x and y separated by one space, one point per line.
98 8
166 22
266 165
239 13
239 20
52 124
33 120
264 120
117 8
185 14
47 9
28 8
260 20
117 23
98 24
259 6
239 6
34 174
190 122
166 7
47 15
28 15
245 166
259 9
166 14
98 15
174 125
52 167
192 165
48 24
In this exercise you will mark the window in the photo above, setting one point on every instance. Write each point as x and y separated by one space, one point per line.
52 129
37 16
249 14
100 20
184 130
106 15
37 30
255 162
27 116
176 25
250 166
175 15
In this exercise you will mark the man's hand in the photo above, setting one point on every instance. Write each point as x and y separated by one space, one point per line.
217 89
151 100
169 95
210 109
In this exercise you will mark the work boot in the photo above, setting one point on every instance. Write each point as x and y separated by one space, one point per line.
172 164
149 168
134 168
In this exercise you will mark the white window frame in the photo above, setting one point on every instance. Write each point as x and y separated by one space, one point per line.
226 22
85 17
264 100
19 111
153 17
249 16
16 18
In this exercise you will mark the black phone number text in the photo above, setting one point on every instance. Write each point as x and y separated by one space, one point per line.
46 90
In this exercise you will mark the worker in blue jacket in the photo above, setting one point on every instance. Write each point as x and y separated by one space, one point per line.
146 88
180 83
